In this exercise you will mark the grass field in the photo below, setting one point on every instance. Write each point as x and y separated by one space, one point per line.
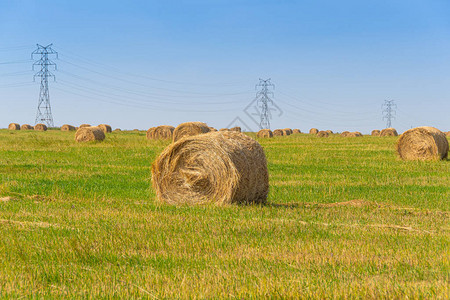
346 219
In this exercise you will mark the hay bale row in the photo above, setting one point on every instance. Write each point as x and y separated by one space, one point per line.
264 133
14 126
423 143
160 133
220 167
86 134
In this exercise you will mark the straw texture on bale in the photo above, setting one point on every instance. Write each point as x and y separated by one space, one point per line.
40 127
189 129
106 128
87 134
422 143
286 131
313 131
160 133
278 132
212 129
265 133
345 133
296 131
84 125
224 129
237 128
14 126
375 132
218 167
388 132
67 127
26 127
117 129
322 134
354 134
329 131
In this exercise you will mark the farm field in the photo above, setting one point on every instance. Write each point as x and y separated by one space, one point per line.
345 218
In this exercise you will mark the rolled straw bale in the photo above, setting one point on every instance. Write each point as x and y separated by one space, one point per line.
224 129
357 133
375 132
40 127
161 132
322 134
106 128
447 133
14 126
219 167
286 131
86 134
84 125
329 131
264 133
278 132
237 128
388 132
67 127
117 129
296 131
345 133
150 132
354 134
212 129
422 143
189 129
313 131
26 127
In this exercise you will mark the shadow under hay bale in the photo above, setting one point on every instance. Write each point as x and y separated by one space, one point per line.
422 143
264 133
278 132
322 134
218 167
375 132
40 127
389 132
106 128
296 131
14 126
67 127
189 129
26 127
87 134
313 131
160 133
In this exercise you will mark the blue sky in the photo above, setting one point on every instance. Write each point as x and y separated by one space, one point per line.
137 64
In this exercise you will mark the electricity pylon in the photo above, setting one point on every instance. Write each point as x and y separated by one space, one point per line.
388 112
263 99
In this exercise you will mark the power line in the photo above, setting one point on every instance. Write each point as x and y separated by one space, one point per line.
388 112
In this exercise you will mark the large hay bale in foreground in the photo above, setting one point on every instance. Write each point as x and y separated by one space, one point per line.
313 131
375 132
87 134
105 127
40 127
388 132
26 127
14 126
67 127
219 167
84 125
160 133
422 143
237 128
264 133
189 129
278 132
296 131
322 133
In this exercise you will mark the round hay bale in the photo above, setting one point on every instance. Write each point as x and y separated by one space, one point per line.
329 132
313 131
106 128
354 134
286 131
388 132
219 167
237 128
189 129
212 129
264 133
447 133
87 134
322 134
160 133
345 133
67 127
375 132
84 125
117 129
422 143
26 127
296 131
224 129
40 127
14 126
278 132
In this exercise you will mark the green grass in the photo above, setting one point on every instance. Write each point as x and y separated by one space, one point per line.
81 221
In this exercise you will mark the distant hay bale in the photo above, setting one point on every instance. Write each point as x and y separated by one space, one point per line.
329 132
14 126
354 134
40 127
26 127
162 132
388 132
423 143
212 129
375 132
322 133
106 128
117 129
218 167
313 131
237 128
87 134
447 133
264 133
286 131
345 133
278 132
67 127
84 125
189 129
224 129
296 131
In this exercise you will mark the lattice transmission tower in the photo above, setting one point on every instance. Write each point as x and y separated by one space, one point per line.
44 111
263 100
388 109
